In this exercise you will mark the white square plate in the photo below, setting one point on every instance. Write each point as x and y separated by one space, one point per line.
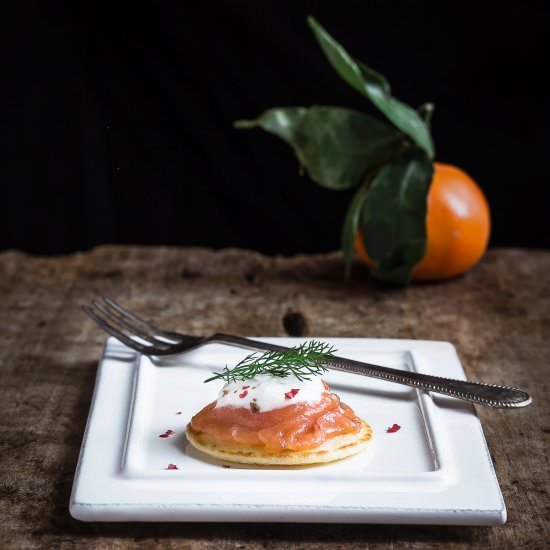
435 470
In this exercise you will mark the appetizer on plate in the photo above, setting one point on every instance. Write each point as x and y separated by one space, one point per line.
275 409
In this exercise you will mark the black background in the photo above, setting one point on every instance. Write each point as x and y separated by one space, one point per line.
117 123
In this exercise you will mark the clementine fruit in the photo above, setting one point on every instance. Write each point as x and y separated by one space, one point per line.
458 225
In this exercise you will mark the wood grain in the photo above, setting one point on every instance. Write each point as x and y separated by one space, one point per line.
498 316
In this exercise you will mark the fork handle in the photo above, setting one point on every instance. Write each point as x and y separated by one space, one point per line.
490 395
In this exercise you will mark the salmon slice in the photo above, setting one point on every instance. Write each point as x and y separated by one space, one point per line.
301 426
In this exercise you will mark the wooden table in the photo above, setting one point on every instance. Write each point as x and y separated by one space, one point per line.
498 316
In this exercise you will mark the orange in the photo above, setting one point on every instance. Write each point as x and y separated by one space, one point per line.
458 224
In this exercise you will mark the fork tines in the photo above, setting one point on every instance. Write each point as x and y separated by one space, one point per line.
130 329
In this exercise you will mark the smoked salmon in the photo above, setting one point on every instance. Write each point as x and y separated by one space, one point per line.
297 427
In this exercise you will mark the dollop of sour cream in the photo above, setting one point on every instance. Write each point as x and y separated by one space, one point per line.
265 392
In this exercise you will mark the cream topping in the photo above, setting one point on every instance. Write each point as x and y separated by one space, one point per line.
265 392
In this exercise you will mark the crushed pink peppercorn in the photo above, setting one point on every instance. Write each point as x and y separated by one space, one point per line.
290 394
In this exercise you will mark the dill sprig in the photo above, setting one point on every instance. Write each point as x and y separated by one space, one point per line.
302 361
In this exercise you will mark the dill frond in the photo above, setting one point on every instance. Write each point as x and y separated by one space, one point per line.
302 361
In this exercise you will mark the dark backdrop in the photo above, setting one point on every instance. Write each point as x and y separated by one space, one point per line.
118 118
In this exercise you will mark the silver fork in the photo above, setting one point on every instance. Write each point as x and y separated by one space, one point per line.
149 339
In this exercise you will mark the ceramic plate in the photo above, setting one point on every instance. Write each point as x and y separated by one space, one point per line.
435 469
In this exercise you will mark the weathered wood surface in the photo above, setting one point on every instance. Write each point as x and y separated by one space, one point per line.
498 316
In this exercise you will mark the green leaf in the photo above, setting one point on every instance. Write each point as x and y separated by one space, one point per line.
336 146
375 88
393 222
351 224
